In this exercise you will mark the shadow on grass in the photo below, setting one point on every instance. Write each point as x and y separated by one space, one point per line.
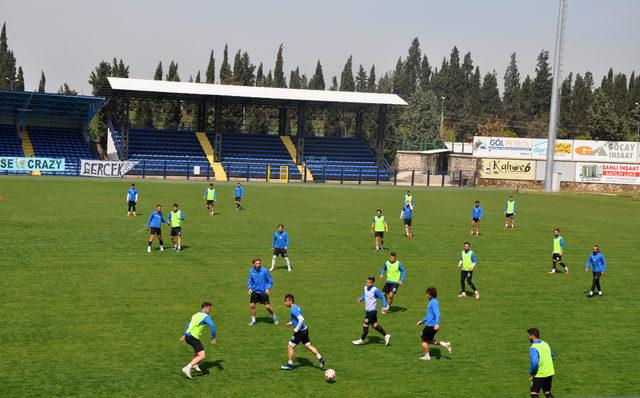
264 319
375 339
305 362
205 366
396 309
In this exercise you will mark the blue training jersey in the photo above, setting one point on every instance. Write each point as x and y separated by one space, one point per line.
432 318
407 212
238 192
132 195
297 320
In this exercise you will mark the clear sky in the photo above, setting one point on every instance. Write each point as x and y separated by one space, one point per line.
67 38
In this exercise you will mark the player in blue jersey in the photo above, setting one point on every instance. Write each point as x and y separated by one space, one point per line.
407 215
280 245
154 226
432 324
370 297
476 216
599 265
132 200
259 286
300 334
193 332
238 193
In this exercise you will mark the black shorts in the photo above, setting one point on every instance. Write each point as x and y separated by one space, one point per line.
390 287
539 383
210 202
379 234
301 336
556 257
195 343
155 231
280 252
509 215
475 219
428 333
262 298
370 317
176 231
132 204
238 198
407 221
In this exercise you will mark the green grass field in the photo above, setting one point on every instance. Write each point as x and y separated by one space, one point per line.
86 311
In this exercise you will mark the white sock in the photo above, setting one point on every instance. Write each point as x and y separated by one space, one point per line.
318 356
274 316
253 319
188 366
290 362
286 260
591 292
273 261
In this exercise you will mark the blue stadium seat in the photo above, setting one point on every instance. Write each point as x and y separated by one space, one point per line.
333 158
55 142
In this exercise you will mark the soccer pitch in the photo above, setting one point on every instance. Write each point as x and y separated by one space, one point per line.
86 311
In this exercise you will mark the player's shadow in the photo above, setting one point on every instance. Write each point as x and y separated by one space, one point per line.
264 319
306 362
436 352
205 366
375 339
185 247
396 309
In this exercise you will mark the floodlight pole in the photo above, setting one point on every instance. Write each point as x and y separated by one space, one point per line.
442 119
555 98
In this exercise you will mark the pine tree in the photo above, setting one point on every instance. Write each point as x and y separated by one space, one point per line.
158 74
278 72
268 82
7 62
4 46
425 73
19 85
198 78
172 73
607 84
98 80
456 84
526 98
210 74
541 89
421 119
385 84
580 102
43 82
237 69
467 124
226 76
295 81
260 76
347 82
511 101
371 83
317 80
172 110
620 95
399 80
602 119
66 90
248 77
304 82
361 80
490 97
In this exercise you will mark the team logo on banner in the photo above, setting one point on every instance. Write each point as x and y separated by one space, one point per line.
503 169
105 168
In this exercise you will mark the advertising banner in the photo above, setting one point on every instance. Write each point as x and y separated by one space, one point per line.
508 169
31 164
502 147
605 151
608 173
563 149
105 168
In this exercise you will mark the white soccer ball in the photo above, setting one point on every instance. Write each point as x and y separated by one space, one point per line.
330 374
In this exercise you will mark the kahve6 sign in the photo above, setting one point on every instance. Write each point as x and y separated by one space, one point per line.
508 169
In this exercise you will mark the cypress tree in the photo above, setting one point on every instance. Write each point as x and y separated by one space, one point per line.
238 69
400 80
607 84
412 68
210 74
361 80
421 119
198 78
278 72
260 76
19 84
295 80
268 82
526 98
158 74
7 62
304 82
347 82
385 84
425 73
43 82
371 83
541 88
455 87
489 96
317 80
511 95
334 84
566 118
226 76
620 95
602 119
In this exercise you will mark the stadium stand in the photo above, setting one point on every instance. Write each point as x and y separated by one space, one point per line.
60 143
177 150
242 152
335 158
10 144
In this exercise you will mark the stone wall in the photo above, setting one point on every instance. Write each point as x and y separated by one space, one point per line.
462 162
408 160
564 186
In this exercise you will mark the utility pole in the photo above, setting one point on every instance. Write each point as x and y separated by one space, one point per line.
442 120
555 98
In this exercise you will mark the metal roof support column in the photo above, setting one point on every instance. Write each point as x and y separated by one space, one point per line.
125 129
302 130
217 128
202 117
283 114
382 122
359 128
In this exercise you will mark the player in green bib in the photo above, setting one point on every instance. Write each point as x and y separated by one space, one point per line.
467 264
175 219
193 332
541 370
210 196
395 277
378 228
510 212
